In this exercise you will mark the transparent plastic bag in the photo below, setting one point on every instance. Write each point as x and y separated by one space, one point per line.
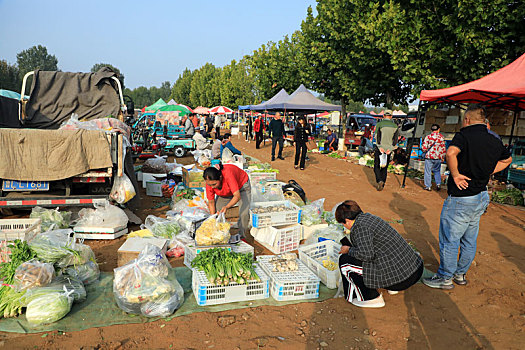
227 156
58 284
87 273
175 248
155 165
51 218
162 228
193 214
48 307
33 273
333 232
122 190
312 213
166 304
52 246
85 254
267 191
104 215
214 230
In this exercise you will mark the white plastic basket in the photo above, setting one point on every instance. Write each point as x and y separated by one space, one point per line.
313 255
243 247
292 285
191 251
279 239
292 215
260 176
11 229
207 294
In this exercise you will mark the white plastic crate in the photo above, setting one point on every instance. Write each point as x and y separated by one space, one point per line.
279 239
259 176
207 294
191 251
11 229
314 254
292 285
243 248
292 215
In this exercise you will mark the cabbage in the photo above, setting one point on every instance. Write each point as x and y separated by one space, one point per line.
48 308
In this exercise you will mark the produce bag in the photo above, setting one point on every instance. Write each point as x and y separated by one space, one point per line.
155 165
48 307
33 273
52 246
175 248
145 285
312 213
214 230
267 191
87 273
122 190
58 284
196 213
182 192
162 228
83 253
333 232
104 215
50 217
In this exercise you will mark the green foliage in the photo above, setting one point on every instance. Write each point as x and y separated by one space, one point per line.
182 88
98 66
35 57
9 77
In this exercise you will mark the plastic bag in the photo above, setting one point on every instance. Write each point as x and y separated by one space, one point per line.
52 246
162 228
312 213
214 230
143 286
383 157
333 232
191 213
267 191
50 217
58 284
104 215
87 273
33 273
122 190
48 307
84 254
227 156
155 165
175 249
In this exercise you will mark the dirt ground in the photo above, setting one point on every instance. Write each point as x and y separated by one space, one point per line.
488 313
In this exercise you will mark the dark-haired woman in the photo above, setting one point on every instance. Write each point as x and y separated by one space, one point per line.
302 132
227 185
377 257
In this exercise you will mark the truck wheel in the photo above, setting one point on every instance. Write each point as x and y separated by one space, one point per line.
179 152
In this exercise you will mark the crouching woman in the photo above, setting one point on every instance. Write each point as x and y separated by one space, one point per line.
375 256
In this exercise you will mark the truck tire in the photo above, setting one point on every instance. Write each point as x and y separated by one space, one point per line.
179 152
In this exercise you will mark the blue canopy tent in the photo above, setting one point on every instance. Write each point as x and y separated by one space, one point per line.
278 99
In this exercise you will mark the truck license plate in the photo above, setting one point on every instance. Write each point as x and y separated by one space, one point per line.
15 185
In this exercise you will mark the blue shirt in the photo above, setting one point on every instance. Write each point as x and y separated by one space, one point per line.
230 147
331 138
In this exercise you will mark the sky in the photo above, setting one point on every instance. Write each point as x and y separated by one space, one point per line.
149 41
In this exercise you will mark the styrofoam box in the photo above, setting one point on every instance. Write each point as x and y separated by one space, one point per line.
154 188
207 294
139 176
291 285
278 239
151 177
313 255
287 217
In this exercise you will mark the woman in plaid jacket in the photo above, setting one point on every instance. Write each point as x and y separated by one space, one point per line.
376 256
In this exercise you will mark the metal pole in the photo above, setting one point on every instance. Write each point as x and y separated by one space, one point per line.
410 142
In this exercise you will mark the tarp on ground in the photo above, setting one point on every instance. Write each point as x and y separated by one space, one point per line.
277 100
160 103
55 96
504 88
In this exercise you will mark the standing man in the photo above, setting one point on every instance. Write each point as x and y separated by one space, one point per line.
189 129
258 127
387 135
217 124
434 148
276 131
473 155
249 128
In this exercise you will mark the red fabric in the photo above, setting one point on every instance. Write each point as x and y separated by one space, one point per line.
233 178
195 121
507 80
257 124
437 143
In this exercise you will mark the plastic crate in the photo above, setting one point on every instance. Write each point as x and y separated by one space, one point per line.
191 251
258 176
287 217
313 254
279 239
207 294
11 229
243 248
293 285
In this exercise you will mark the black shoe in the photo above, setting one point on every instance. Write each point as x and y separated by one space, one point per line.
273 158
438 188
380 186
280 157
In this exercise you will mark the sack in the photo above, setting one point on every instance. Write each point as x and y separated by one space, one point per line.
104 215
311 144
122 190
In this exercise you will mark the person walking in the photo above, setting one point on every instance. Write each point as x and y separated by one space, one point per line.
217 124
473 155
258 127
276 131
249 129
434 149
301 134
386 135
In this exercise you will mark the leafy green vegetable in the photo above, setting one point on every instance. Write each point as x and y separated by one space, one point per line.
166 230
51 217
512 196
48 308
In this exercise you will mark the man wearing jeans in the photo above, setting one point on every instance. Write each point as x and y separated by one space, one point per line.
434 148
473 155
276 130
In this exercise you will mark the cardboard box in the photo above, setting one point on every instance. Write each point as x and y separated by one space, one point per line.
154 188
134 245
198 181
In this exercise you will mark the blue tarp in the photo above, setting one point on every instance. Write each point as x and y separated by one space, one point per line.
244 108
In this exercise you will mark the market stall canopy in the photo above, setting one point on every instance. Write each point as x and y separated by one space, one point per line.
188 108
504 88
201 110
302 99
160 103
274 103
172 102
174 108
220 110
398 112
244 108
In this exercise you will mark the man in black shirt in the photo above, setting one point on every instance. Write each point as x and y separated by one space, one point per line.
276 131
473 155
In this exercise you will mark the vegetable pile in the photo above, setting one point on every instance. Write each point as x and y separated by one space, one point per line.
223 267
284 263
214 230
51 217
510 196
269 209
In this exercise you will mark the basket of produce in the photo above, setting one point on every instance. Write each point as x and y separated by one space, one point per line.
265 214
279 239
191 250
214 230
322 258
267 191
290 279
147 285
221 276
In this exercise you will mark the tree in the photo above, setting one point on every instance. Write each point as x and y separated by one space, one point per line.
182 88
96 67
204 89
9 76
35 57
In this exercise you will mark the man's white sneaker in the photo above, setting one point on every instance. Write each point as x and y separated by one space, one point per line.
392 292
374 303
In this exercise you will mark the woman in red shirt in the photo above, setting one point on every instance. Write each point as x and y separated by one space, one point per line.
227 185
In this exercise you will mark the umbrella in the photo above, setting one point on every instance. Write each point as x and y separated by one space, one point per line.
188 108
220 110
175 108
201 110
